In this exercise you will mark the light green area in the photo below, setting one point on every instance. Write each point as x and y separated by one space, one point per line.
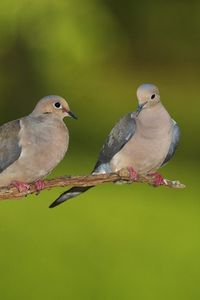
114 242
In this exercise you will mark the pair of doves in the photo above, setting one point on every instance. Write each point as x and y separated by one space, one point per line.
142 141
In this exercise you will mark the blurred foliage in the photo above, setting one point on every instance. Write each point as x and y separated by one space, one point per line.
115 242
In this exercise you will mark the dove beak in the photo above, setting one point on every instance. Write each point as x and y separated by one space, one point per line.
139 108
69 113
72 115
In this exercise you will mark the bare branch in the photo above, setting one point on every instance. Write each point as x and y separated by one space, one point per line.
88 180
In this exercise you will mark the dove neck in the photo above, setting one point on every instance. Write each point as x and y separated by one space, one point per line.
153 117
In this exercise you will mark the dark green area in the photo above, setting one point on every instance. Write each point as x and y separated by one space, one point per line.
115 242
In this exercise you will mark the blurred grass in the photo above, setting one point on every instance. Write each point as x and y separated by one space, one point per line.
114 242
120 242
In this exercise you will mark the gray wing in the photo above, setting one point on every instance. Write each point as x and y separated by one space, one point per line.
174 143
118 137
10 149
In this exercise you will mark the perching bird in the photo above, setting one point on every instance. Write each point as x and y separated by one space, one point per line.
141 141
31 147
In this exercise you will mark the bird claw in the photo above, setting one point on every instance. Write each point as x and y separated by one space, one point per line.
21 186
39 185
157 179
133 174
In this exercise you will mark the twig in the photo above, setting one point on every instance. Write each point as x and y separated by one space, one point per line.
88 180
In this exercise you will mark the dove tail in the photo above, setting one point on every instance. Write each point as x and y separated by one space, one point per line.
73 192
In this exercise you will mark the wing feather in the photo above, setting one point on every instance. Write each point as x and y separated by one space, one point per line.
10 149
118 137
174 143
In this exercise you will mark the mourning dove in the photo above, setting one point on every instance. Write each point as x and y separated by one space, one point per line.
141 141
31 147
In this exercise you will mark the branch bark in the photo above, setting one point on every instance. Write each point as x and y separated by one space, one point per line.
88 180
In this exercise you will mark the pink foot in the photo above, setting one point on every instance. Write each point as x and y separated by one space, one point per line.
21 186
39 185
158 179
133 174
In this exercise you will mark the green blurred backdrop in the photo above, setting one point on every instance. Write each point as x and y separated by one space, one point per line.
115 242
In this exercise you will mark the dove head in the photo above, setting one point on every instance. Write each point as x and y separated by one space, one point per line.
54 105
148 96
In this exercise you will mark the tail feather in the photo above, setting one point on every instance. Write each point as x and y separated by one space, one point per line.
73 192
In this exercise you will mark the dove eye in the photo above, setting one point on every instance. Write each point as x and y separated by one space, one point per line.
153 96
57 105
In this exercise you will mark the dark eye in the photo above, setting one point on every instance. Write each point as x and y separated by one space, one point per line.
153 96
57 105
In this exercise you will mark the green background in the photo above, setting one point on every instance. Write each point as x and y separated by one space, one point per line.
114 242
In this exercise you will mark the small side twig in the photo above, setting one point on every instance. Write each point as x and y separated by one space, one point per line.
88 180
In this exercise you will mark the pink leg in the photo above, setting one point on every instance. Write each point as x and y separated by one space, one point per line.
39 185
158 179
21 186
133 174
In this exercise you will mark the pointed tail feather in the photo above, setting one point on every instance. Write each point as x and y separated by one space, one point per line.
73 192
